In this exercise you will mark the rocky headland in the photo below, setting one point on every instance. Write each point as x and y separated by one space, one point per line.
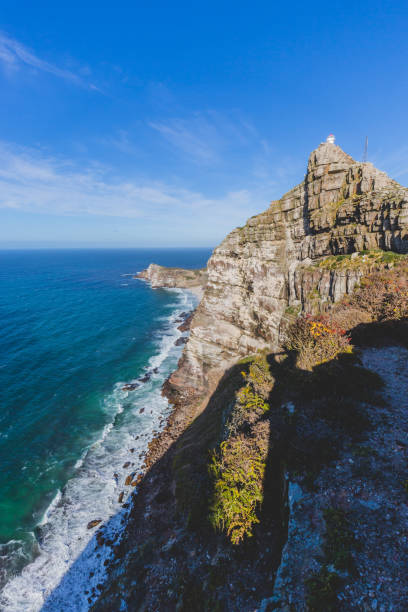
280 480
161 276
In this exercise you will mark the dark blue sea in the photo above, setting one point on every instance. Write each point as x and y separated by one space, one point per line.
75 326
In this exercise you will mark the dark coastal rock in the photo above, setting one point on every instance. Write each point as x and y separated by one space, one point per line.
185 326
94 523
130 387
120 498
128 480
146 377
137 481
182 317
141 412
131 450
100 539
181 341
125 465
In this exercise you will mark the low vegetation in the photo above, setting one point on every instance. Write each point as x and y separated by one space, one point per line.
316 340
322 589
383 294
361 259
238 470
238 466
340 542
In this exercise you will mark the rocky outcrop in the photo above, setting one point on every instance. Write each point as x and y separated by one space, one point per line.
269 265
160 276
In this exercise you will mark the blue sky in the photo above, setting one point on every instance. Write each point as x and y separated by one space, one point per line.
170 123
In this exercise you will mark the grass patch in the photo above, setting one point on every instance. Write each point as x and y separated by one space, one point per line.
360 259
293 310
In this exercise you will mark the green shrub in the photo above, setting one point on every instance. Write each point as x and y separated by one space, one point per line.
251 399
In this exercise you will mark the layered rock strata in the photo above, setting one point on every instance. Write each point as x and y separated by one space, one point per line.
262 269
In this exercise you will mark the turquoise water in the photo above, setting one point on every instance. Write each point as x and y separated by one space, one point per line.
73 329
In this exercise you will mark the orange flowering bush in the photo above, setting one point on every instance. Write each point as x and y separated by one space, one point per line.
316 340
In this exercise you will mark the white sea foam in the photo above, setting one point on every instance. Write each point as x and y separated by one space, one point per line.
59 577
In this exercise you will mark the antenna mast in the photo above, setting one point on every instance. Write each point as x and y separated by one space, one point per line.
365 149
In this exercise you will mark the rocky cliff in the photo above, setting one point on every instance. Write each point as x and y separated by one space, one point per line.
276 262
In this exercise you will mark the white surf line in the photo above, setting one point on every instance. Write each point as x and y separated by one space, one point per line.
71 564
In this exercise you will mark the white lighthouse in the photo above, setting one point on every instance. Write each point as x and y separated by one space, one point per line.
330 139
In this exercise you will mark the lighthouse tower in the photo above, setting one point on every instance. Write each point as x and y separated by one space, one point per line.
330 139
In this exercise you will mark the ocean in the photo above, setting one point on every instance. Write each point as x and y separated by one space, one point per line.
75 327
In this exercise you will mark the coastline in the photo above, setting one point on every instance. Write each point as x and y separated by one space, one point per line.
52 594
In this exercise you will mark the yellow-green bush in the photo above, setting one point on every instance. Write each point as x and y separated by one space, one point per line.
251 400
238 471
237 468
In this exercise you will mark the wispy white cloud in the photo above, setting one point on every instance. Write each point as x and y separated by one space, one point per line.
206 137
196 137
121 140
221 141
14 54
32 182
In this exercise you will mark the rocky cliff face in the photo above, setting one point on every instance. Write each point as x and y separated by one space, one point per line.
276 261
